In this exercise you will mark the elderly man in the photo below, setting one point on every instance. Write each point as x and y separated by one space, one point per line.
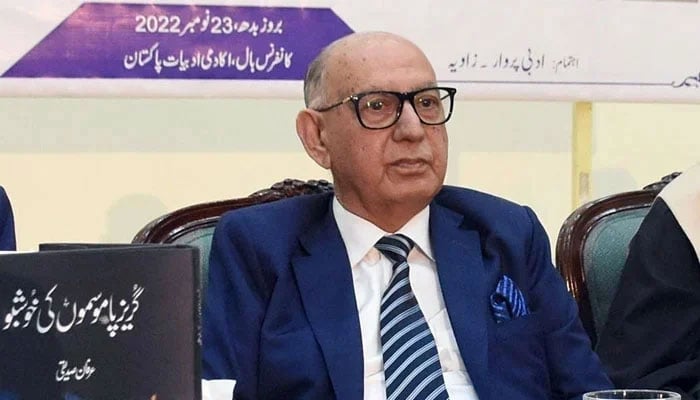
7 225
395 286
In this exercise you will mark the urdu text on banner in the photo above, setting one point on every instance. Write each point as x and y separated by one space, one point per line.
574 50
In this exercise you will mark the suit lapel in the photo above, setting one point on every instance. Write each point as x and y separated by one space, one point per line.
325 281
463 279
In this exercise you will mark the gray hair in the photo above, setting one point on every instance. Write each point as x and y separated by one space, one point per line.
314 80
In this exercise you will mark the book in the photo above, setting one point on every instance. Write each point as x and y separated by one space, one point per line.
92 321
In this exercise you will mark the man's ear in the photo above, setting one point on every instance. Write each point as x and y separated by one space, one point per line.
309 128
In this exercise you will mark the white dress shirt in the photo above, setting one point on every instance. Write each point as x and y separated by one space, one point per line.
371 273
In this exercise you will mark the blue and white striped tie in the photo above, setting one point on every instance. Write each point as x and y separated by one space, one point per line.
411 365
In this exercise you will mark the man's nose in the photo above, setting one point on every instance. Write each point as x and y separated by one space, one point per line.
409 126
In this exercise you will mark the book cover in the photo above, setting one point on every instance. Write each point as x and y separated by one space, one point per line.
100 322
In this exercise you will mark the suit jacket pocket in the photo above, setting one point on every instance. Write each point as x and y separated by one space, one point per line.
517 355
529 324
291 366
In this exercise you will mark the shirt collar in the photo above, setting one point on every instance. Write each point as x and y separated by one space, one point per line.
360 235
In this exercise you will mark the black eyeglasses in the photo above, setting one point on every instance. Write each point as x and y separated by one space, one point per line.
381 109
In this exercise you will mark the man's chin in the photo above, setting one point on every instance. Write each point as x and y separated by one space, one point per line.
415 194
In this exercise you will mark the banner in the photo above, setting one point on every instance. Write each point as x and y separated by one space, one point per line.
575 50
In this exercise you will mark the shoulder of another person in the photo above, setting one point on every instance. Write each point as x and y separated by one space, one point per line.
682 196
4 202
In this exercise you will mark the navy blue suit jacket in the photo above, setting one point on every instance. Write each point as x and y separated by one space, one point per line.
282 320
7 224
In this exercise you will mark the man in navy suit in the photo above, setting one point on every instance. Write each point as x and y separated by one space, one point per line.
7 224
302 292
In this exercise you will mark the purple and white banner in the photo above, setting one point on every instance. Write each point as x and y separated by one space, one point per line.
572 50
148 41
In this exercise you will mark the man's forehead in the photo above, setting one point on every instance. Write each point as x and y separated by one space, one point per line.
388 86
396 66
361 49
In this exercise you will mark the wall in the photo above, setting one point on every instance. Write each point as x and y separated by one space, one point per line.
636 144
97 170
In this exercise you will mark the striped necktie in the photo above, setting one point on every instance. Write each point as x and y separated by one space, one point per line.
411 365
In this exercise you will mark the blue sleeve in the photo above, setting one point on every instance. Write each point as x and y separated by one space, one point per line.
7 223
234 310
574 367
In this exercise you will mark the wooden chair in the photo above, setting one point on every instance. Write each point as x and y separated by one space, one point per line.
592 248
194 225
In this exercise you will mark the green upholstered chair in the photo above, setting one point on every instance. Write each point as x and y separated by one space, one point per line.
592 248
194 225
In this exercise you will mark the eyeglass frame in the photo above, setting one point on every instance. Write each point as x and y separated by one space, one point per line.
402 96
